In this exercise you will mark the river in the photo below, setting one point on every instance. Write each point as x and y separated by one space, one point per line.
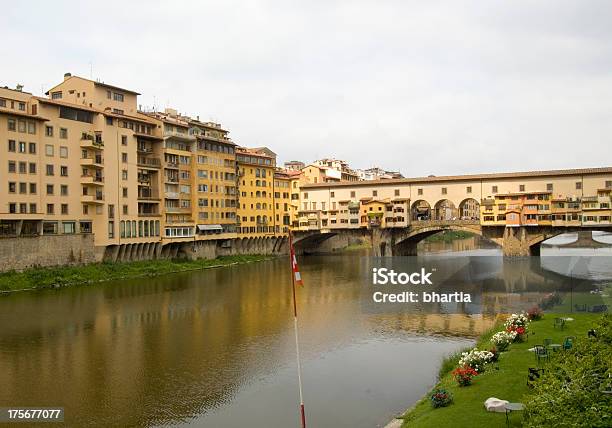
215 348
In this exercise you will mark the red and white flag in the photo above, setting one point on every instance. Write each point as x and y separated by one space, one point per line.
294 266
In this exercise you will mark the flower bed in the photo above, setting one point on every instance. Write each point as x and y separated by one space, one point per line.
464 375
517 323
503 339
475 359
440 398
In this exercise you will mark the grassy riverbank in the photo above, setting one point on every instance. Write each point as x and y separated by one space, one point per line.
39 278
506 380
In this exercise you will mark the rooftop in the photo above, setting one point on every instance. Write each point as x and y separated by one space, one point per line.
467 177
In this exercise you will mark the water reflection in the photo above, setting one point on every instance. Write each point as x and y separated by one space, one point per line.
215 348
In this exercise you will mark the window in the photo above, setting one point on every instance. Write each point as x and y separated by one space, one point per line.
74 114
31 128
12 125
118 97
49 150
12 208
23 188
22 106
108 94
2 102
124 158
68 227
109 121
22 167
49 189
56 95
21 126
50 209
12 146
22 147
494 189
32 188
521 187
63 133
64 190
396 192
32 208
12 187
50 170
32 148
468 189
578 185
549 187
124 174
12 166
111 211
63 152
419 191
444 190
64 171
125 209
49 131
64 209
352 193
125 192
111 229
32 168
124 140
49 228
608 184
374 192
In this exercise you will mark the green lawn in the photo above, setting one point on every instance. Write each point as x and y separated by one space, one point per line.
508 382
38 278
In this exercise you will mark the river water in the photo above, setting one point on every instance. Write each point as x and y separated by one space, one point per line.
215 348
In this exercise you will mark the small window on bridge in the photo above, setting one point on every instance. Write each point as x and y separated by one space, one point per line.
494 189
468 189
420 191
549 187
444 190
521 187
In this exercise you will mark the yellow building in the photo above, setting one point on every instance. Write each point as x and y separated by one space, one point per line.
214 181
283 211
74 167
255 170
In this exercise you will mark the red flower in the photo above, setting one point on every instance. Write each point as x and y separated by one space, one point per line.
520 330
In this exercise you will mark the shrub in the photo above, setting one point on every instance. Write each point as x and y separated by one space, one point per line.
503 339
441 398
535 314
464 375
569 393
517 323
475 359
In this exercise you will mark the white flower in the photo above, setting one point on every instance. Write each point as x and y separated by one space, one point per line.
475 359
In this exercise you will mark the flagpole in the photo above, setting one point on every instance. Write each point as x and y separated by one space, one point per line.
295 328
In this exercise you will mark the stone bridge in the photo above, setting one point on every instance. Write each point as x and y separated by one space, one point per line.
514 241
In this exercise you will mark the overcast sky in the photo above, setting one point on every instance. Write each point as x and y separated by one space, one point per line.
435 87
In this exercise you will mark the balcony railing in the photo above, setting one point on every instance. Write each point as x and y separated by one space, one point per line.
150 162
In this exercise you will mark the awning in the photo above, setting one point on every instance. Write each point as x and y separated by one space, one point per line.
210 227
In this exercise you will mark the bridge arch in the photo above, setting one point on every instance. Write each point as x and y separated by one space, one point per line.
445 210
420 210
406 243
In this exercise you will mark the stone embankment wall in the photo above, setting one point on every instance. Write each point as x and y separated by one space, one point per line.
47 250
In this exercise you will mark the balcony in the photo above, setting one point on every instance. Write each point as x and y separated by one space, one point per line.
144 195
171 165
98 198
144 150
178 136
148 162
92 141
94 180
93 161
178 209
172 195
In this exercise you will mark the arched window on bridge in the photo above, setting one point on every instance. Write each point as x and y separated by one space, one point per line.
445 210
469 209
420 210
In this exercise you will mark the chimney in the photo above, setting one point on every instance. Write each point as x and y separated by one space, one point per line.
67 75
19 88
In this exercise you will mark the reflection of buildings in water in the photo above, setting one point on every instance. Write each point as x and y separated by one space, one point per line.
436 324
